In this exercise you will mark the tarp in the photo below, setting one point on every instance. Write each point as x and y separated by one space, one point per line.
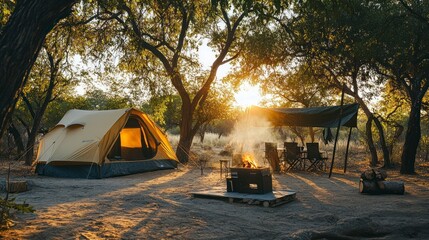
95 144
326 117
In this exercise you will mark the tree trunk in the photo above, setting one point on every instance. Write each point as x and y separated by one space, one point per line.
412 138
30 149
202 132
16 138
311 133
35 130
384 148
187 132
20 43
183 148
370 141
370 117
37 117
398 131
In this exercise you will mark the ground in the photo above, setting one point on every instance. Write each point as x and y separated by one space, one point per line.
158 205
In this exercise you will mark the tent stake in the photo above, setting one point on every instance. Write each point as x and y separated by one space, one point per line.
338 131
347 150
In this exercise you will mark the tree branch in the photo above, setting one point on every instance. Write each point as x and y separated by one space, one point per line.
414 13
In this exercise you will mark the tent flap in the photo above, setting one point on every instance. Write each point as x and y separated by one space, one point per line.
326 117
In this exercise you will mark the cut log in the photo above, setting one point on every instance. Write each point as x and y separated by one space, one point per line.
374 174
371 187
380 175
368 175
381 187
16 186
392 187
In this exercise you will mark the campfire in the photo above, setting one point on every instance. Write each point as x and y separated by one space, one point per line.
248 161
247 176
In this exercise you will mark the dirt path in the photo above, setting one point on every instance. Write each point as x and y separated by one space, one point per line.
157 205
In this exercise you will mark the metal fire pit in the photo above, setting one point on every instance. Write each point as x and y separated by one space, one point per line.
250 180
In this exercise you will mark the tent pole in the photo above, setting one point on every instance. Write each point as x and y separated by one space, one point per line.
338 130
347 150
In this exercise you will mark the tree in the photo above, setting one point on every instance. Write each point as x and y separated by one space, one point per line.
161 37
21 39
393 108
218 106
298 88
49 79
404 59
335 40
331 40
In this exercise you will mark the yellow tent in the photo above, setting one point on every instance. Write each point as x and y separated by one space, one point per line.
97 144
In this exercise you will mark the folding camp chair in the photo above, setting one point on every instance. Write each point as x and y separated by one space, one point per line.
271 155
315 157
291 156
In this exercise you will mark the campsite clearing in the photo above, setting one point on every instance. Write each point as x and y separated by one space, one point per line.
158 205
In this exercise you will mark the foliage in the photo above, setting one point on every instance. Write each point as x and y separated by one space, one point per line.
158 43
6 9
7 207
165 110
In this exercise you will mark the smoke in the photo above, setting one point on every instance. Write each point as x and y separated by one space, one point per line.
249 136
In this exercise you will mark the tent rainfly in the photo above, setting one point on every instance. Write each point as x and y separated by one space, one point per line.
98 144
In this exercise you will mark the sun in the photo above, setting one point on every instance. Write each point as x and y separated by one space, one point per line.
247 96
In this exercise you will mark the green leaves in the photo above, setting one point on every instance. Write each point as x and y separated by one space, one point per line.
7 206
6 9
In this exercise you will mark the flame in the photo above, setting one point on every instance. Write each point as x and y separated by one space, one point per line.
248 160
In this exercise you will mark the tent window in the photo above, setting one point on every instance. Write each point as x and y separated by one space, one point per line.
135 142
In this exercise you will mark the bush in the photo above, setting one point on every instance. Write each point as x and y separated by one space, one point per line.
7 208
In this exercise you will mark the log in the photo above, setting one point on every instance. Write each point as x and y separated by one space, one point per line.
371 187
392 187
368 175
374 174
16 186
381 187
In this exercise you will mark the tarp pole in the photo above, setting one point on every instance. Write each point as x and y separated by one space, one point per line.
347 150
338 130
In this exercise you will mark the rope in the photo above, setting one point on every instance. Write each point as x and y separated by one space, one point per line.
189 156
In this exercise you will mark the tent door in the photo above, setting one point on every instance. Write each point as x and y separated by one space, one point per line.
134 142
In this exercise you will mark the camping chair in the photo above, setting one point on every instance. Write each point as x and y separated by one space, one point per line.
272 156
315 157
291 156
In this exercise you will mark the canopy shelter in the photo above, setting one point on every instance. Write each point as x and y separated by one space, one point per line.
97 144
326 117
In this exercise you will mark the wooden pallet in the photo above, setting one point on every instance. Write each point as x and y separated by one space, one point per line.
272 199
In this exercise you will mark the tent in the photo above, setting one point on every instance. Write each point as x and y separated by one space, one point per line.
326 117
98 144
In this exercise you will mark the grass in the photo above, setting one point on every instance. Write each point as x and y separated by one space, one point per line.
214 148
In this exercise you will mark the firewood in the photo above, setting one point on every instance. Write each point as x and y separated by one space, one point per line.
394 187
381 187
380 175
366 186
374 174
368 175
16 186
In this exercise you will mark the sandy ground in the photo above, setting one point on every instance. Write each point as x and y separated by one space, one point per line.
158 205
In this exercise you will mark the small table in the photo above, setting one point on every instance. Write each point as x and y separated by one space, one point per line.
224 167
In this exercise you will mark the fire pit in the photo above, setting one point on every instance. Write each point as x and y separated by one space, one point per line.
250 180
